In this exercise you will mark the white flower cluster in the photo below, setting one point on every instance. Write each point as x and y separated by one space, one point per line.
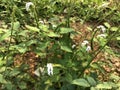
86 43
103 29
27 6
102 35
50 68
41 71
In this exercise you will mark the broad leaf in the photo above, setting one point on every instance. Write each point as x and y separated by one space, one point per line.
31 28
81 82
66 48
52 34
9 86
22 85
68 78
5 35
91 81
31 42
104 85
23 33
16 25
14 72
2 80
118 38
114 29
107 25
66 30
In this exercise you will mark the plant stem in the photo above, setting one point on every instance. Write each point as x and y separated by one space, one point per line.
8 49
99 50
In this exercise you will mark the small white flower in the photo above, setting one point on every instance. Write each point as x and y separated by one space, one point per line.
50 68
41 21
84 43
54 26
102 35
28 4
88 48
103 29
73 46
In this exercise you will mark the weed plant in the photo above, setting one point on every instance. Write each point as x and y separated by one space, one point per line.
37 51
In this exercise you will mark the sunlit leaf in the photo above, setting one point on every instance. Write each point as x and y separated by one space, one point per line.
66 30
114 29
31 42
107 24
118 38
16 25
44 28
2 80
114 77
23 33
5 35
31 28
104 85
66 48
52 34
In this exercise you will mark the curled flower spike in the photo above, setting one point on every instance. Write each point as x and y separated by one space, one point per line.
103 29
102 35
50 68
28 4
85 42
88 48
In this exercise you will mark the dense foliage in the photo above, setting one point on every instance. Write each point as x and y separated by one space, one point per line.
39 49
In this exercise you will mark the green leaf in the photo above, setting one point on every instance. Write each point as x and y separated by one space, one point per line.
52 34
2 80
97 66
2 30
23 33
21 47
107 25
16 25
9 86
104 85
118 38
114 29
93 88
91 81
66 30
34 29
43 45
2 69
68 77
44 28
114 77
31 42
14 72
81 82
5 35
66 48
22 85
